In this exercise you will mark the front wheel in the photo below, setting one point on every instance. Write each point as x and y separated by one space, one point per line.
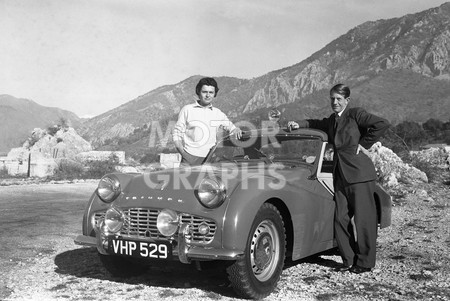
257 273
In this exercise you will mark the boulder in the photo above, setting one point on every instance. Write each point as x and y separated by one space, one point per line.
436 156
391 169
74 144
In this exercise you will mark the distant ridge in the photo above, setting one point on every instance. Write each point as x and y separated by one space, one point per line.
18 117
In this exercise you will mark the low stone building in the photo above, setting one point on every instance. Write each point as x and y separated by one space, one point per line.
171 160
37 156
23 162
101 156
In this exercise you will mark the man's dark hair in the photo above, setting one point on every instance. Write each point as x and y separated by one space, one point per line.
208 81
341 89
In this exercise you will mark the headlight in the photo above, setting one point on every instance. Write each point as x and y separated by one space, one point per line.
108 188
114 220
211 192
167 222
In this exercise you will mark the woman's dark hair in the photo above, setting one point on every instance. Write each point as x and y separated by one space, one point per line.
341 89
208 81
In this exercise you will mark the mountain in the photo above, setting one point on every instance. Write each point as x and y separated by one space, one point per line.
397 68
18 117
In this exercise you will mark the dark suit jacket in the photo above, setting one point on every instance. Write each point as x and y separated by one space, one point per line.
355 126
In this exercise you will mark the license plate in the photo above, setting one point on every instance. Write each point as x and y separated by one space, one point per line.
141 249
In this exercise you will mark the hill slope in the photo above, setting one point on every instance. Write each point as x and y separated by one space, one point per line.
18 117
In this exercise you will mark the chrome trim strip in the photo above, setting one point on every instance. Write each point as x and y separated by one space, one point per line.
183 248
197 252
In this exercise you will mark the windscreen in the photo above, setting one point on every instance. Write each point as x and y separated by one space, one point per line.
273 149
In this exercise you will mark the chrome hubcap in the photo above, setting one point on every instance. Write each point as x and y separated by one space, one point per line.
264 250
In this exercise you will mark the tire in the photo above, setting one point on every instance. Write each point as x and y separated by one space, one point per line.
256 275
121 267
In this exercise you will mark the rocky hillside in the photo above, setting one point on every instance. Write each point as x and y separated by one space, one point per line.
18 117
395 66
398 68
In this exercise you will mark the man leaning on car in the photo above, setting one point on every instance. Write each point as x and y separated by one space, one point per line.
352 131
196 129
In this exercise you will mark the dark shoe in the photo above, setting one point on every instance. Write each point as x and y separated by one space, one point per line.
356 269
343 268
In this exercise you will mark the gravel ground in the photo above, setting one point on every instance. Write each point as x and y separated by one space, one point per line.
413 263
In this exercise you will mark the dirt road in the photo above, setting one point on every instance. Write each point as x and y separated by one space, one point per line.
39 260
36 220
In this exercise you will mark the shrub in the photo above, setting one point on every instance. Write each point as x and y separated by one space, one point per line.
431 162
4 173
149 158
69 170
52 130
97 169
432 171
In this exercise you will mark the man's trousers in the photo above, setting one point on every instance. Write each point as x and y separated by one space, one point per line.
357 244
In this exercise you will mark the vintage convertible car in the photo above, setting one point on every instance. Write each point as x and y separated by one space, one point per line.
252 203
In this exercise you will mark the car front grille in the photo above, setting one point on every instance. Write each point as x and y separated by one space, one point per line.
141 223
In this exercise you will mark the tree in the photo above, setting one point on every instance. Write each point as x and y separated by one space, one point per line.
447 137
411 133
446 126
433 126
63 123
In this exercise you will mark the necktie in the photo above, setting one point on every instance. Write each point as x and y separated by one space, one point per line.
336 120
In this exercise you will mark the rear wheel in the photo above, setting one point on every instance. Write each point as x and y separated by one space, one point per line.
257 273
121 267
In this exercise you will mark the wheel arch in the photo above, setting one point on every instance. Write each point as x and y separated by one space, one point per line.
287 219
239 218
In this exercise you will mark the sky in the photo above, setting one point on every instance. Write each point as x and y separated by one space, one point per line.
90 56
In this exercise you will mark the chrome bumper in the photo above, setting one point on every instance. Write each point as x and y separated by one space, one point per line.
185 252
87 241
